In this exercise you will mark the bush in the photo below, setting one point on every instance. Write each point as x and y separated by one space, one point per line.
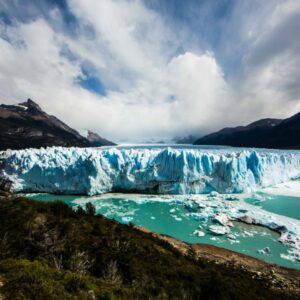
62 247
90 209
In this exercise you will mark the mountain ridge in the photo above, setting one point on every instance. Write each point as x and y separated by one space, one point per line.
263 133
26 125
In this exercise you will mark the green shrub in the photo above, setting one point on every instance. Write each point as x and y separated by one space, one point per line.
75 255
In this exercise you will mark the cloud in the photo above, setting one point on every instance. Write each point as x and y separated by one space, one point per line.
270 67
152 86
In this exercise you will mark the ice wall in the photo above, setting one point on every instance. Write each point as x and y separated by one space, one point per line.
164 171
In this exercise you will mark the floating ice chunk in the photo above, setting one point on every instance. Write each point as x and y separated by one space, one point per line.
202 205
127 219
231 198
222 219
191 206
248 233
231 237
213 194
246 219
264 251
288 239
199 233
219 229
178 219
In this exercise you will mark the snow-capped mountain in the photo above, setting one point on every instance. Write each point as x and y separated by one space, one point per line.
26 125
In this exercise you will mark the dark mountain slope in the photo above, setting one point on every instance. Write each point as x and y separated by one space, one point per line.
96 140
26 125
265 133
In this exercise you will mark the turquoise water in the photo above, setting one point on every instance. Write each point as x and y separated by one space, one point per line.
175 219
283 205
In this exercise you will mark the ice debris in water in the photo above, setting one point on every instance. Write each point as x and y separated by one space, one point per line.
221 213
94 171
264 251
219 229
199 233
222 219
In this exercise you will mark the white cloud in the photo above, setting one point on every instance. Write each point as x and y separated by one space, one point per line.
270 81
152 91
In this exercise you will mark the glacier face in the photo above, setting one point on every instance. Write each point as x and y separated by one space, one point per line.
162 170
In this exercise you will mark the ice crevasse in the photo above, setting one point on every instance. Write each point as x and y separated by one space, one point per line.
167 170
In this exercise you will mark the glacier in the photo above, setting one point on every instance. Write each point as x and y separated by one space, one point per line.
157 170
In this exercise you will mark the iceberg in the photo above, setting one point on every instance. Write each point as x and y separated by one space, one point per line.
219 229
222 219
166 170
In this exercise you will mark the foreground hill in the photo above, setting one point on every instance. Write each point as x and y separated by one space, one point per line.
265 133
26 125
49 251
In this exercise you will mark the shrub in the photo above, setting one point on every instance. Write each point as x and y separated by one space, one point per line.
90 209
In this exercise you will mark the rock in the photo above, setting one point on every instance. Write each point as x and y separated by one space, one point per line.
5 185
91 294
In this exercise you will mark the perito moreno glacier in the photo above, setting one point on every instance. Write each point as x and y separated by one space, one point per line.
165 170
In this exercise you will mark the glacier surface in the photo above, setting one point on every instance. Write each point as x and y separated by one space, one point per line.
165 170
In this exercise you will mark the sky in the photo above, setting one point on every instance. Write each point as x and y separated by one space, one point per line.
135 71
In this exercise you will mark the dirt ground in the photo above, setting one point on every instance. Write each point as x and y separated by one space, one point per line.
278 277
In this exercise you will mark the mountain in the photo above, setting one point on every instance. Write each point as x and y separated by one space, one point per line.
265 133
26 125
190 139
95 139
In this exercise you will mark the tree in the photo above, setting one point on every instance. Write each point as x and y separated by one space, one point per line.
90 209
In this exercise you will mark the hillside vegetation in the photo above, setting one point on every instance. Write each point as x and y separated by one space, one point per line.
49 251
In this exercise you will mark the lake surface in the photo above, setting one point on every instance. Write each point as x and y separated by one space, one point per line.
171 216
282 205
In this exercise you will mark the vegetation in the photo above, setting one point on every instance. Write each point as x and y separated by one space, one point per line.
49 251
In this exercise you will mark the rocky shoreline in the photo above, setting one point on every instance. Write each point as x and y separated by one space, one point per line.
279 278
